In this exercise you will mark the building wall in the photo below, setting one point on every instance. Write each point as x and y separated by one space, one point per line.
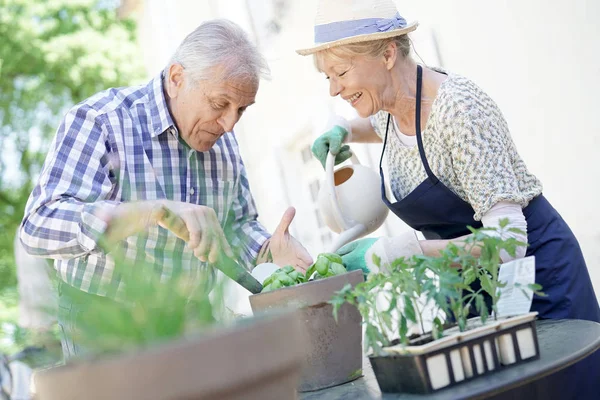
537 59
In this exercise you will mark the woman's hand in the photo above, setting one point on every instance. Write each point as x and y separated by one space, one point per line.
332 142
359 254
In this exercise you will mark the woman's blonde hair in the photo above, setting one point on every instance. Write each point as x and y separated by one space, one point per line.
374 48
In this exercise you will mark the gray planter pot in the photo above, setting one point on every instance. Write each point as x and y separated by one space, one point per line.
334 353
255 359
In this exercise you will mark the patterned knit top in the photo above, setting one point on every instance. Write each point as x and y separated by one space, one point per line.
468 146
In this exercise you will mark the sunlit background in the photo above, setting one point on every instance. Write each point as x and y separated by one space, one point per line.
538 59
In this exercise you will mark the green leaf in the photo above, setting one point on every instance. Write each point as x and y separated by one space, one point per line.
377 260
322 265
286 280
409 309
487 285
288 269
469 276
337 268
310 271
332 257
437 328
481 307
403 329
393 304
535 286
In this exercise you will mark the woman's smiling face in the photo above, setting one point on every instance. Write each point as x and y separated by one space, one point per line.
360 80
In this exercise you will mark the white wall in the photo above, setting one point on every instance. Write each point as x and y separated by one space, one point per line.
537 58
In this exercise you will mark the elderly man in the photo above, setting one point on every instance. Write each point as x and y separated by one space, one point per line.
160 160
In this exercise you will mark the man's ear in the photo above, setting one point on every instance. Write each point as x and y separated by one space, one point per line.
390 55
175 80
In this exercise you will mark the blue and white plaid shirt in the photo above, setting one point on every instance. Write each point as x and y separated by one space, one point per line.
121 145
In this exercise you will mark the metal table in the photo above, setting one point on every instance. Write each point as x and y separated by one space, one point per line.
562 343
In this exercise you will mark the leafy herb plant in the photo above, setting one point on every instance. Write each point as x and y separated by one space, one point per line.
149 310
401 291
327 265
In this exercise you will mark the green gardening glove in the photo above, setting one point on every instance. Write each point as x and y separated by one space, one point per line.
331 141
353 254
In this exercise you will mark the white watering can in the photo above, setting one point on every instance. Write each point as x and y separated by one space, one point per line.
350 201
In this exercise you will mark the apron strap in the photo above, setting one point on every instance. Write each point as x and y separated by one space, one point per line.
383 195
430 174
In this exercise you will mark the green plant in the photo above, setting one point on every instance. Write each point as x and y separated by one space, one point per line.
400 292
286 276
489 243
326 265
388 301
150 309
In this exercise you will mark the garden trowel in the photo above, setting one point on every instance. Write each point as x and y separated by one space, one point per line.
235 271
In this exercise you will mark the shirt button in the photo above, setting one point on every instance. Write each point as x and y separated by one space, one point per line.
192 191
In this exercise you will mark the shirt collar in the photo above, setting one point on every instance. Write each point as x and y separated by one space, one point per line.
159 112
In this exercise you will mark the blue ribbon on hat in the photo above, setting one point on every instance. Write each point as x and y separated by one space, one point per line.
345 29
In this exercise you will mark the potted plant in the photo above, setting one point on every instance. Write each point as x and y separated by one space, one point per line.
430 292
334 354
172 340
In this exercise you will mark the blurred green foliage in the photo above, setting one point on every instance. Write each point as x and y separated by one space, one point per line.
53 54
149 310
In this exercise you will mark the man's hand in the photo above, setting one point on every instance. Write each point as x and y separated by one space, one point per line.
283 249
197 225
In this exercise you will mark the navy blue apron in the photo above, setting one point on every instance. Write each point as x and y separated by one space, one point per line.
439 213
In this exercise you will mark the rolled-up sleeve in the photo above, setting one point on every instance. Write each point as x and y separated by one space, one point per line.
75 186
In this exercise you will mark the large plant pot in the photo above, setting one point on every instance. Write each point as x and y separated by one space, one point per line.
334 354
459 357
256 359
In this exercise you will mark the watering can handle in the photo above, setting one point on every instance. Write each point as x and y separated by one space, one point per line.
335 208
329 182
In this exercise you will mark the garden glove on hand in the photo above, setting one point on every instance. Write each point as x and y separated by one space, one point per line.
359 254
353 254
332 141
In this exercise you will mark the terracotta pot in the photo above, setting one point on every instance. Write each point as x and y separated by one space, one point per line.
260 358
334 353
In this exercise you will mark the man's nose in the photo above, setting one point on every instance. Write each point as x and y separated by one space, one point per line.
228 120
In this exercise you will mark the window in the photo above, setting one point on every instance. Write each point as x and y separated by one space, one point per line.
307 156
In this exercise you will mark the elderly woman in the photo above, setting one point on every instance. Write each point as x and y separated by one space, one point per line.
451 160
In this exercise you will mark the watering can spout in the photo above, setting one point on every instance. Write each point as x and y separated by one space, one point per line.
347 236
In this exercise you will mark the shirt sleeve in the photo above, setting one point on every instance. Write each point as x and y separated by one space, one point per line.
246 235
61 217
516 227
378 122
482 155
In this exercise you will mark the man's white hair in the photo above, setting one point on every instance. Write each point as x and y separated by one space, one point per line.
220 43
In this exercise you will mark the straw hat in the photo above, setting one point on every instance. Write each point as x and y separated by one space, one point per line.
341 22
